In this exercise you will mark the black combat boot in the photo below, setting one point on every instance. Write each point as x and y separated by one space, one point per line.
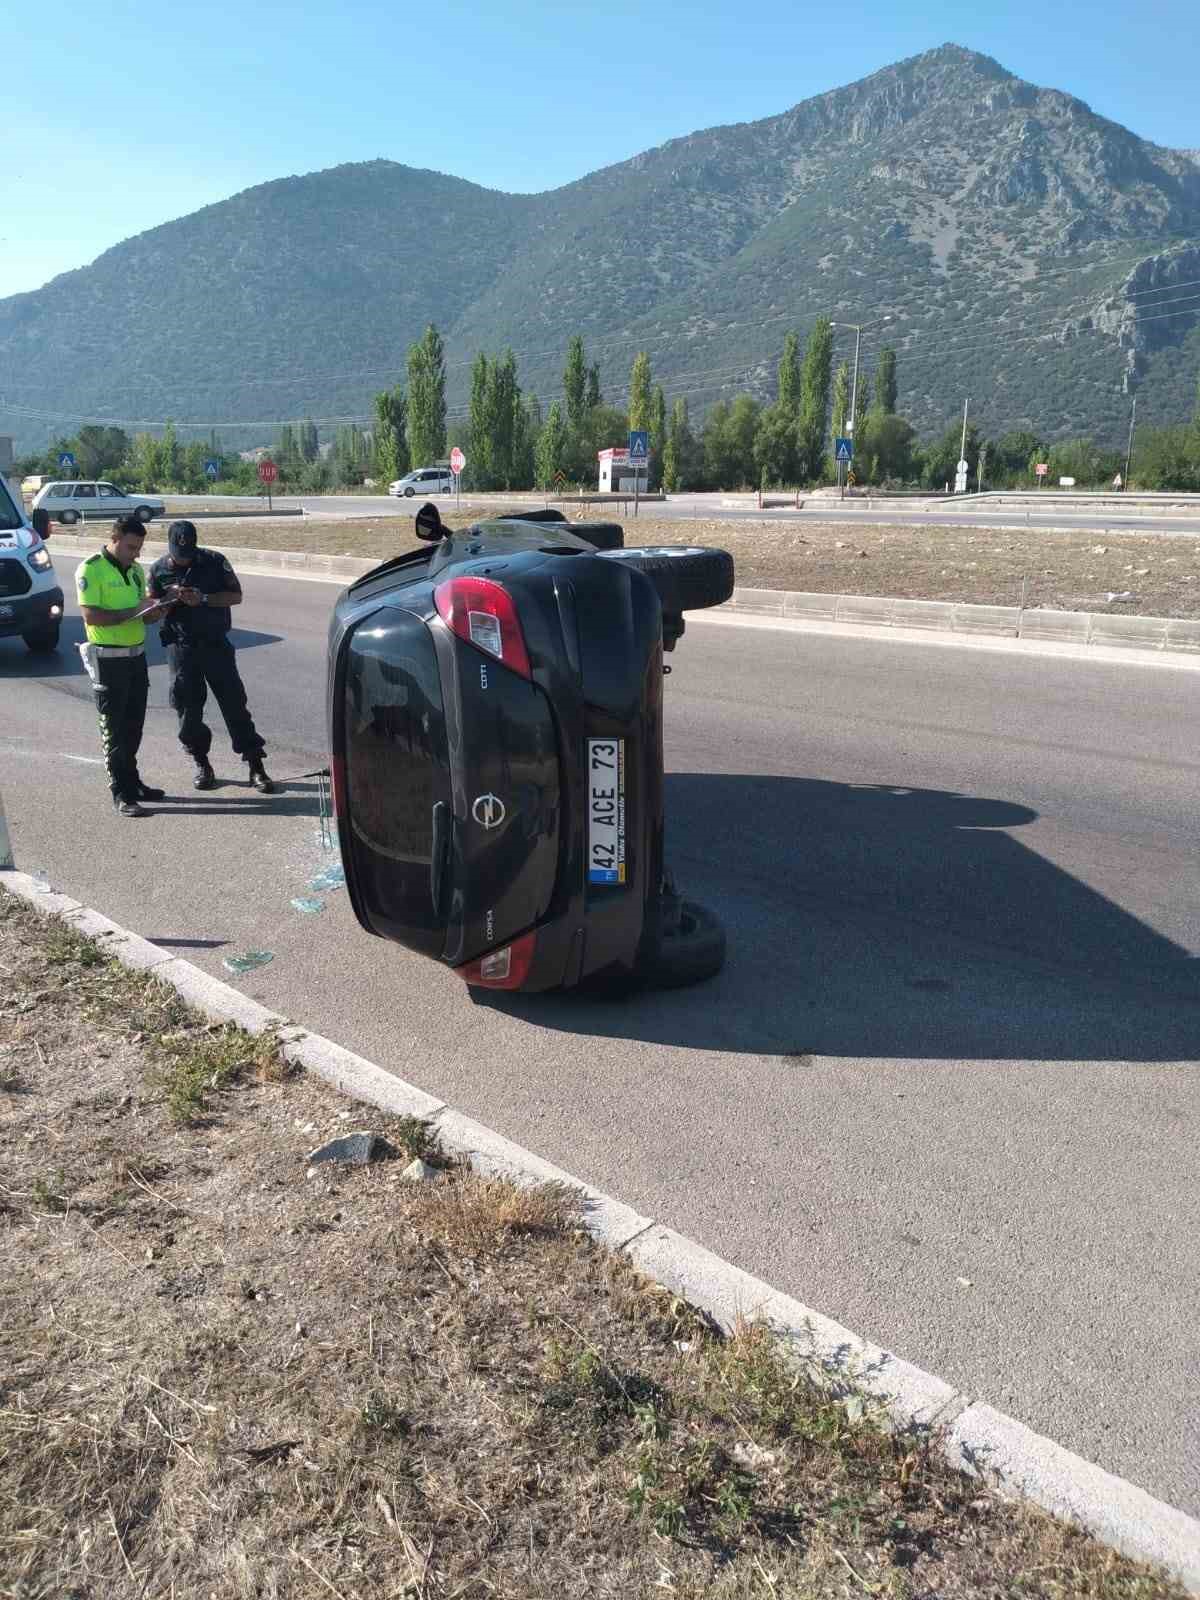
205 777
259 778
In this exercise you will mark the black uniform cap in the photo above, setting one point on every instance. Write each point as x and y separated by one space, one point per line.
182 538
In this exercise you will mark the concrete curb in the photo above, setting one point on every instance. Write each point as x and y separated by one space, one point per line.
1174 635
978 1440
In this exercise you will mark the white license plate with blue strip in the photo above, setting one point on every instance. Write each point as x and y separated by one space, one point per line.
606 811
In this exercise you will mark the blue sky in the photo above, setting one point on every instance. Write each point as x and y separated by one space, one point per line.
118 114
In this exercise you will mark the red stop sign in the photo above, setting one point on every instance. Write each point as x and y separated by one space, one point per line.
267 471
457 460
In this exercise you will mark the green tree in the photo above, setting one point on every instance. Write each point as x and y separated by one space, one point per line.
427 399
1085 461
168 456
391 435
575 383
287 453
551 446
815 380
479 451
593 398
307 439
775 441
503 406
100 451
939 460
885 450
860 402
1014 454
681 456
886 391
788 397
1168 458
640 398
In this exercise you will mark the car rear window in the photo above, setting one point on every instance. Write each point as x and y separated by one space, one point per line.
397 770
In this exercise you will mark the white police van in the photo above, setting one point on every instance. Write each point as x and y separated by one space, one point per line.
31 602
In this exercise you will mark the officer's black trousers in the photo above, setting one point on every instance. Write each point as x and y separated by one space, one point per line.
196 668
122 685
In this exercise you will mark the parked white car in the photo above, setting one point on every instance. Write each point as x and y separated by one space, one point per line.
31 600
425 480
73 502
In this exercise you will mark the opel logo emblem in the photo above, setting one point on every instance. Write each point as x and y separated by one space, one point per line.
488 811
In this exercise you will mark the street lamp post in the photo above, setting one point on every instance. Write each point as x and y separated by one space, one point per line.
858 327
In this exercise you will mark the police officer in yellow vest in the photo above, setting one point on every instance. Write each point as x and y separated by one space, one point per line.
112 600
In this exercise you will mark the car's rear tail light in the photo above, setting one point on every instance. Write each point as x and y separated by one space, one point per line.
483 613
502 969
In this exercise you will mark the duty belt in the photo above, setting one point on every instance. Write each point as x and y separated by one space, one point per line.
119 649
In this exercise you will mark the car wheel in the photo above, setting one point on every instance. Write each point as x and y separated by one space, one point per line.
687 578
42 640
144 514
409 492
690 948
68 518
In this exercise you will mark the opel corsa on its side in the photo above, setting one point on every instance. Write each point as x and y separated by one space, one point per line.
495 721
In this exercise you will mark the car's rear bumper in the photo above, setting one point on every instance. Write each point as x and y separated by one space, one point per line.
29 611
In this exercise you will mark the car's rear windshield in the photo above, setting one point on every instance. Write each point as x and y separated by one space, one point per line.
10 517
397 770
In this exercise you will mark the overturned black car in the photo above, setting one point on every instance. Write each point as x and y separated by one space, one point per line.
495 723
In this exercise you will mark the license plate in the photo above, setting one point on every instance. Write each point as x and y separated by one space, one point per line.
6 611
606 811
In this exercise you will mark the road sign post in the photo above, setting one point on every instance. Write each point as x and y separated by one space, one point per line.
267 474
1041 468
66 462
843 454
457 462
212 469
639 457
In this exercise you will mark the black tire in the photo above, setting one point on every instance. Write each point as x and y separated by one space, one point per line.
603 536
409 492
144 513
542 514
687 577
68 518
41 641
690 948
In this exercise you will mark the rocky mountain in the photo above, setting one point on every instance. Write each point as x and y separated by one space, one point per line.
1025 251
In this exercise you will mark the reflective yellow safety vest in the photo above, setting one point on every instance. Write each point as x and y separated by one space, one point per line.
100 582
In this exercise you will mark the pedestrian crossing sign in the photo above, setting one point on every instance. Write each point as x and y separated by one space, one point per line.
844 450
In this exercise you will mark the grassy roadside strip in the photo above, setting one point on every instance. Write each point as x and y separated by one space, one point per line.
224 1376
1065 570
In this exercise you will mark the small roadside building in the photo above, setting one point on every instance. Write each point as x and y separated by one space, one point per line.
617 476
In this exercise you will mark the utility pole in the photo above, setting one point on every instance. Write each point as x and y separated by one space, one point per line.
1129 449
962 449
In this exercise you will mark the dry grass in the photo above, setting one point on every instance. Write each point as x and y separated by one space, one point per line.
1073 571
226 1379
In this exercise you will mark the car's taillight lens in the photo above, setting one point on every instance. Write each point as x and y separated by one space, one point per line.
483 613
502 969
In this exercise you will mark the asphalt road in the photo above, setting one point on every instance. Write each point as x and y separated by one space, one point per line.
707 507
946 1090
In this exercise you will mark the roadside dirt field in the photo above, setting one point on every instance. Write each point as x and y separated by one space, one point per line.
228 1375
1067 571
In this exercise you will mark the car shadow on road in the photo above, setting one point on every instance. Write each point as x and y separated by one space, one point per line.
870 921
18 662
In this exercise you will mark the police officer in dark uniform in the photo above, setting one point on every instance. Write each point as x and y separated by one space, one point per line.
201 586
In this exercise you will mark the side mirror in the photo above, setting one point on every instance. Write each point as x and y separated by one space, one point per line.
429 523
40 522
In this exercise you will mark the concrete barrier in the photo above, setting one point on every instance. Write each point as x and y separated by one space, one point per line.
1064 627
810 607
1183 634
937 614
765 602
869 609
1136 633
1001 621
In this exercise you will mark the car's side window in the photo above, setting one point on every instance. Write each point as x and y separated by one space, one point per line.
85 491
108 492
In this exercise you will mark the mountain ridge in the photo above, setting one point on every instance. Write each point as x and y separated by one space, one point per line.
943 192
